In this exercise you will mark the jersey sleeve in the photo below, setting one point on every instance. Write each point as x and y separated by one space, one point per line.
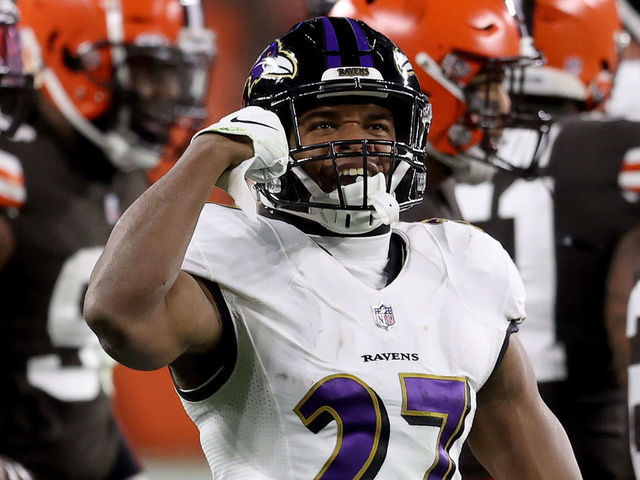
229 249
482 270
12 186
497 274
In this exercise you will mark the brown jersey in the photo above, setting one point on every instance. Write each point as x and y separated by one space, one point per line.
55 416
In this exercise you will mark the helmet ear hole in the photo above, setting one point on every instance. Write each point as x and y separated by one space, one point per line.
71 61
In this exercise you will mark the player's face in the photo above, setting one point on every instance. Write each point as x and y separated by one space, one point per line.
346 122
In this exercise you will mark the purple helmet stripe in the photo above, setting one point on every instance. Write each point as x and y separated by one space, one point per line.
363 44
331 43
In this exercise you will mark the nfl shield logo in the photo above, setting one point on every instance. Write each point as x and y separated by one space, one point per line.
383 316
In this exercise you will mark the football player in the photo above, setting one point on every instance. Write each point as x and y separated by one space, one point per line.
623 299
322 338
562 225
112 79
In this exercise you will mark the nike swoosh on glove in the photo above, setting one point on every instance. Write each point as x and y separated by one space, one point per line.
270 147
265 130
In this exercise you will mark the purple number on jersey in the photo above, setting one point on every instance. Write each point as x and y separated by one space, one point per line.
363 423
441 402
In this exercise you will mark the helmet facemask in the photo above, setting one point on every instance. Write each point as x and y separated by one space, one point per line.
477 135
155 87
348 185
359 184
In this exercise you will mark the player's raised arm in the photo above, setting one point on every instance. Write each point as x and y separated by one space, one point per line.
514 434
145 311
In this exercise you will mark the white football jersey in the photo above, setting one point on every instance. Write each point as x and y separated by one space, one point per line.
334 379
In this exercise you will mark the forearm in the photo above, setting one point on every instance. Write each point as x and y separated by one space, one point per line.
146 312
145 249
143 255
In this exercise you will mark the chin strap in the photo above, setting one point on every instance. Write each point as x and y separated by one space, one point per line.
344 221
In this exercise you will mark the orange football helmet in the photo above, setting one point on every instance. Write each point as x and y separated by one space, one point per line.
457 46
122 72
579 37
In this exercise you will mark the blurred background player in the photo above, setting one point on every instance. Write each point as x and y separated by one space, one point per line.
463 52
562 222
113 79
623 306
625 269
15 90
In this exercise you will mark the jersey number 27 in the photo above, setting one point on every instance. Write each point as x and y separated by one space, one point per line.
363 423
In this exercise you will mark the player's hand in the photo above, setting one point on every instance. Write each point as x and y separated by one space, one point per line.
264 129
12 470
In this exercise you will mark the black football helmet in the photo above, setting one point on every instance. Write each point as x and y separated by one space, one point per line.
343 61
15 83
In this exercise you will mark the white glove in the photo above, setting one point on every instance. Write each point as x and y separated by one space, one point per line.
271 152
269 140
